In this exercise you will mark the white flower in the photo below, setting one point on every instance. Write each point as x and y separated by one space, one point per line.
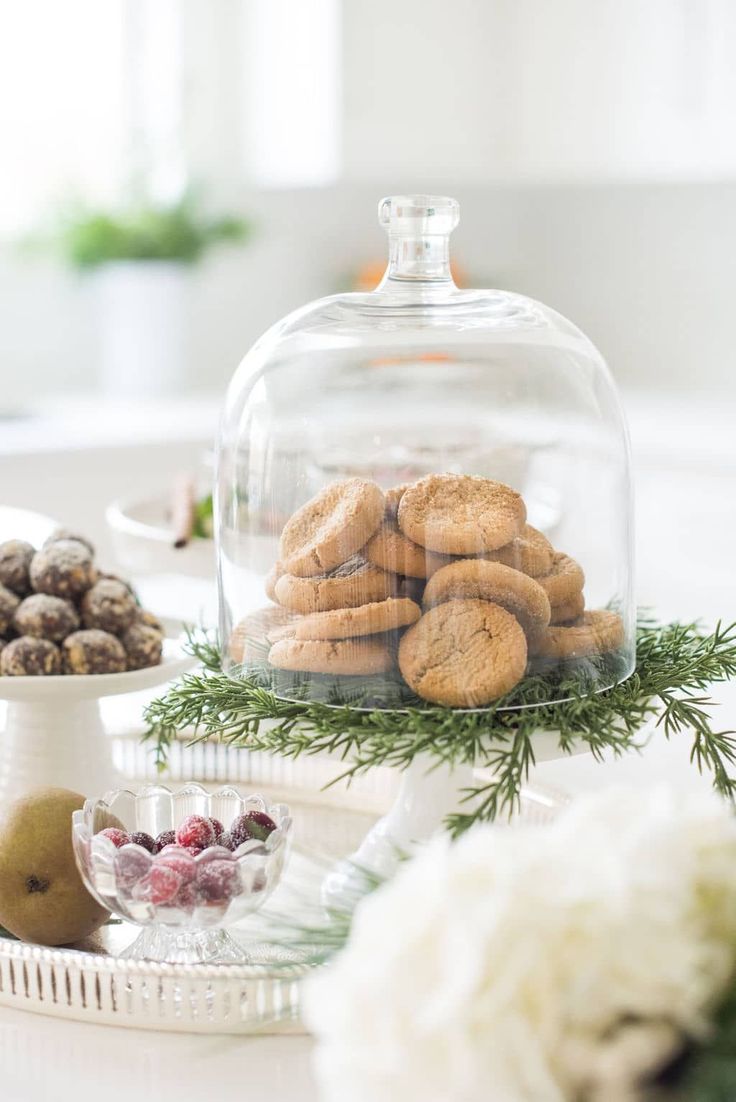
487 970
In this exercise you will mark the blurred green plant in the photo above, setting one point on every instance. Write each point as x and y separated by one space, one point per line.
178 232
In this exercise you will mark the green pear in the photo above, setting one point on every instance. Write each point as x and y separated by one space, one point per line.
42 897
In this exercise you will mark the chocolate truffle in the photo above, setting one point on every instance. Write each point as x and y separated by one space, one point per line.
110 606
63 569
151 621
30 657
15 560
67 534
46 617
143 646
93 652
9 602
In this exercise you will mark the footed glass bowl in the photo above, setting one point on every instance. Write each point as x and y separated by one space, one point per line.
182 895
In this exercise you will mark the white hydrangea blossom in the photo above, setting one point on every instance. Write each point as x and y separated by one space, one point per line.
492 970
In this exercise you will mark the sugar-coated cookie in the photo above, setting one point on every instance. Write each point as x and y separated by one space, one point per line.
519 594
531 552
257 631
345 623
568 611
269 583
461 514
564 581
390 549
356 582
28 656
331 527
347 657
596 632
463 654
392 498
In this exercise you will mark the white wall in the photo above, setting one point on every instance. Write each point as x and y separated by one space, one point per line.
647 270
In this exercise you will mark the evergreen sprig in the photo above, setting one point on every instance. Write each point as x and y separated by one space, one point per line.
675 665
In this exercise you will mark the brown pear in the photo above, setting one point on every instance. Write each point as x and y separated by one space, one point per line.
42 897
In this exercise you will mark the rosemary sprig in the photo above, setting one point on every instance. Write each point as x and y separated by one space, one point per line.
675 664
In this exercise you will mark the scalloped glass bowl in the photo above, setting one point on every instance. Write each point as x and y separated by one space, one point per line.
183 905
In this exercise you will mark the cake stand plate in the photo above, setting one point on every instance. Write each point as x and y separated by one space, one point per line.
93 981
54 733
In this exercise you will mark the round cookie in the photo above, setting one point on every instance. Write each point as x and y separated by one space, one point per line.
519 594
68 534
46 617
461 514
463 654
143 645
256 632
63 569
392 498
346 657
269 583
9 604
331 527
390 549
15 561
356 582
597 632
564 581
93 651
110 606
531 552
345 623
28 656
569 611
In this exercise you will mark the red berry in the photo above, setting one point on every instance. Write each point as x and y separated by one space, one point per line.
186 898
216 826
225 840
160 886
254 824
165 838
130 866
176 858
140 838
117 837
219 880
195 831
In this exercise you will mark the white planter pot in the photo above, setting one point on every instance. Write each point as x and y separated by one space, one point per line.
142 311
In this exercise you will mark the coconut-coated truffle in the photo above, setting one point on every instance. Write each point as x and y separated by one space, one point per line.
46 617
28 656
9 603
110 606
143 646
15 561
63 569
68 534
93 651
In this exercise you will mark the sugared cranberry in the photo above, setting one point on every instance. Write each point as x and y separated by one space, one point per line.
140 838
117 837
131 866
160 886
216 826
186 898
165 838
218 881
254 824
176 858
225 839
195 831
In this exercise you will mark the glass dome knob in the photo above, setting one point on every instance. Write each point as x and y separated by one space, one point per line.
419 228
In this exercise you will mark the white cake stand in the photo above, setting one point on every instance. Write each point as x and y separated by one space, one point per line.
54 733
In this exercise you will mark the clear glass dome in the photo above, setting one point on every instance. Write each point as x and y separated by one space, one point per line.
423 495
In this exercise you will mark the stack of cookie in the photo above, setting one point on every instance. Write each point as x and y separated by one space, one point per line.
442 577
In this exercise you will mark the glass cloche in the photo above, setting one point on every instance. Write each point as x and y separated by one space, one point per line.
423 495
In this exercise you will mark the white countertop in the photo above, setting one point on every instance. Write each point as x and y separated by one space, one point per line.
685 463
